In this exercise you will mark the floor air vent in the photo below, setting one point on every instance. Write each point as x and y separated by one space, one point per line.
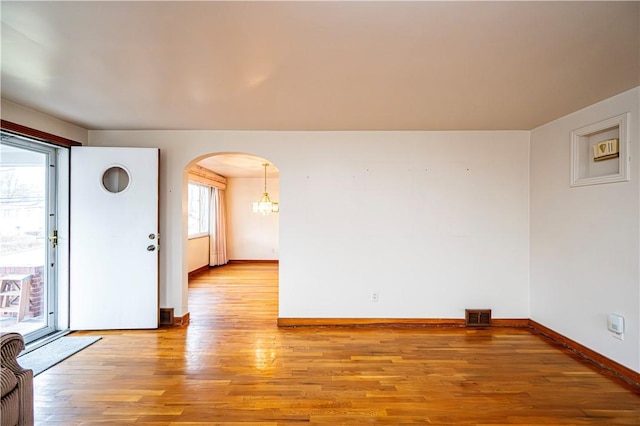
166 316
478 317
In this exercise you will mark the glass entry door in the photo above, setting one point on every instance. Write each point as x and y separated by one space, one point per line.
27 237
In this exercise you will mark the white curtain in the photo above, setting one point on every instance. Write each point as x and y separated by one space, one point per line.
217 229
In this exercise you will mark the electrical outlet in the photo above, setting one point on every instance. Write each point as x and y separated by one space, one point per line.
615 324
374 296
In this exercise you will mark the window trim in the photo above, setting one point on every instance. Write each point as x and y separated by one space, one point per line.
39 135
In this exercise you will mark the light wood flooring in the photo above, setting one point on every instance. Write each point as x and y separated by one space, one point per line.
232 365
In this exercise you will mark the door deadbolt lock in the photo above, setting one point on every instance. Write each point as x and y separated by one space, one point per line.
152 236
151 248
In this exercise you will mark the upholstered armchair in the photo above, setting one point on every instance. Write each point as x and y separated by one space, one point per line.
17 383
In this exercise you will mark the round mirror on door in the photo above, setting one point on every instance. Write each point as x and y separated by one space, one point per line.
115 179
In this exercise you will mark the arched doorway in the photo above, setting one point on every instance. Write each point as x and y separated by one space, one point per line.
222 189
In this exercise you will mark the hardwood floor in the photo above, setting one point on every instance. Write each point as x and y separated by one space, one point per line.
231 365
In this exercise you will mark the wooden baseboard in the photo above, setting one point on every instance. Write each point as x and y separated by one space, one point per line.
618 370
183 320
199 270
510 322
237 261
370 322
392 322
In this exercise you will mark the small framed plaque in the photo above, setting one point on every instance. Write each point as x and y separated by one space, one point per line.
599 152
606 150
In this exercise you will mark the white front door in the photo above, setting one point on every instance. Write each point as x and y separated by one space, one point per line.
114 238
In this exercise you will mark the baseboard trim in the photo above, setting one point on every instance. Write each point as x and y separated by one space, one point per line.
199 270
510 322
183 320
392 322
370 322
236 261
618 370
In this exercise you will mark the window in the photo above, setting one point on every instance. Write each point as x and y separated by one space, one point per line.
198 210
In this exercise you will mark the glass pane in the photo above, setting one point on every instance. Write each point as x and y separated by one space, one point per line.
194 210
115 179
23 239
204 209
198 202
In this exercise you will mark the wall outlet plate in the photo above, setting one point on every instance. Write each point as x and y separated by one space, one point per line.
615 323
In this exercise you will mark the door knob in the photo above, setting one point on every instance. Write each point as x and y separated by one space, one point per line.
151 248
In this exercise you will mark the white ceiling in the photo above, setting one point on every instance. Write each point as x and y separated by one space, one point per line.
317 65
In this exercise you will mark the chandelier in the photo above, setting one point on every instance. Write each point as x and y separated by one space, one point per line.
264 205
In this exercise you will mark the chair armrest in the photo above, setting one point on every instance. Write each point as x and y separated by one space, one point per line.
11 344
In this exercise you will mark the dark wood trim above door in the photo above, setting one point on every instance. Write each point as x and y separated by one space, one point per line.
37 134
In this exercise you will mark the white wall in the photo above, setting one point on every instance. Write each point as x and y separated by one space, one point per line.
405 217
198 253
585 240
36 120
434 221
251 236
